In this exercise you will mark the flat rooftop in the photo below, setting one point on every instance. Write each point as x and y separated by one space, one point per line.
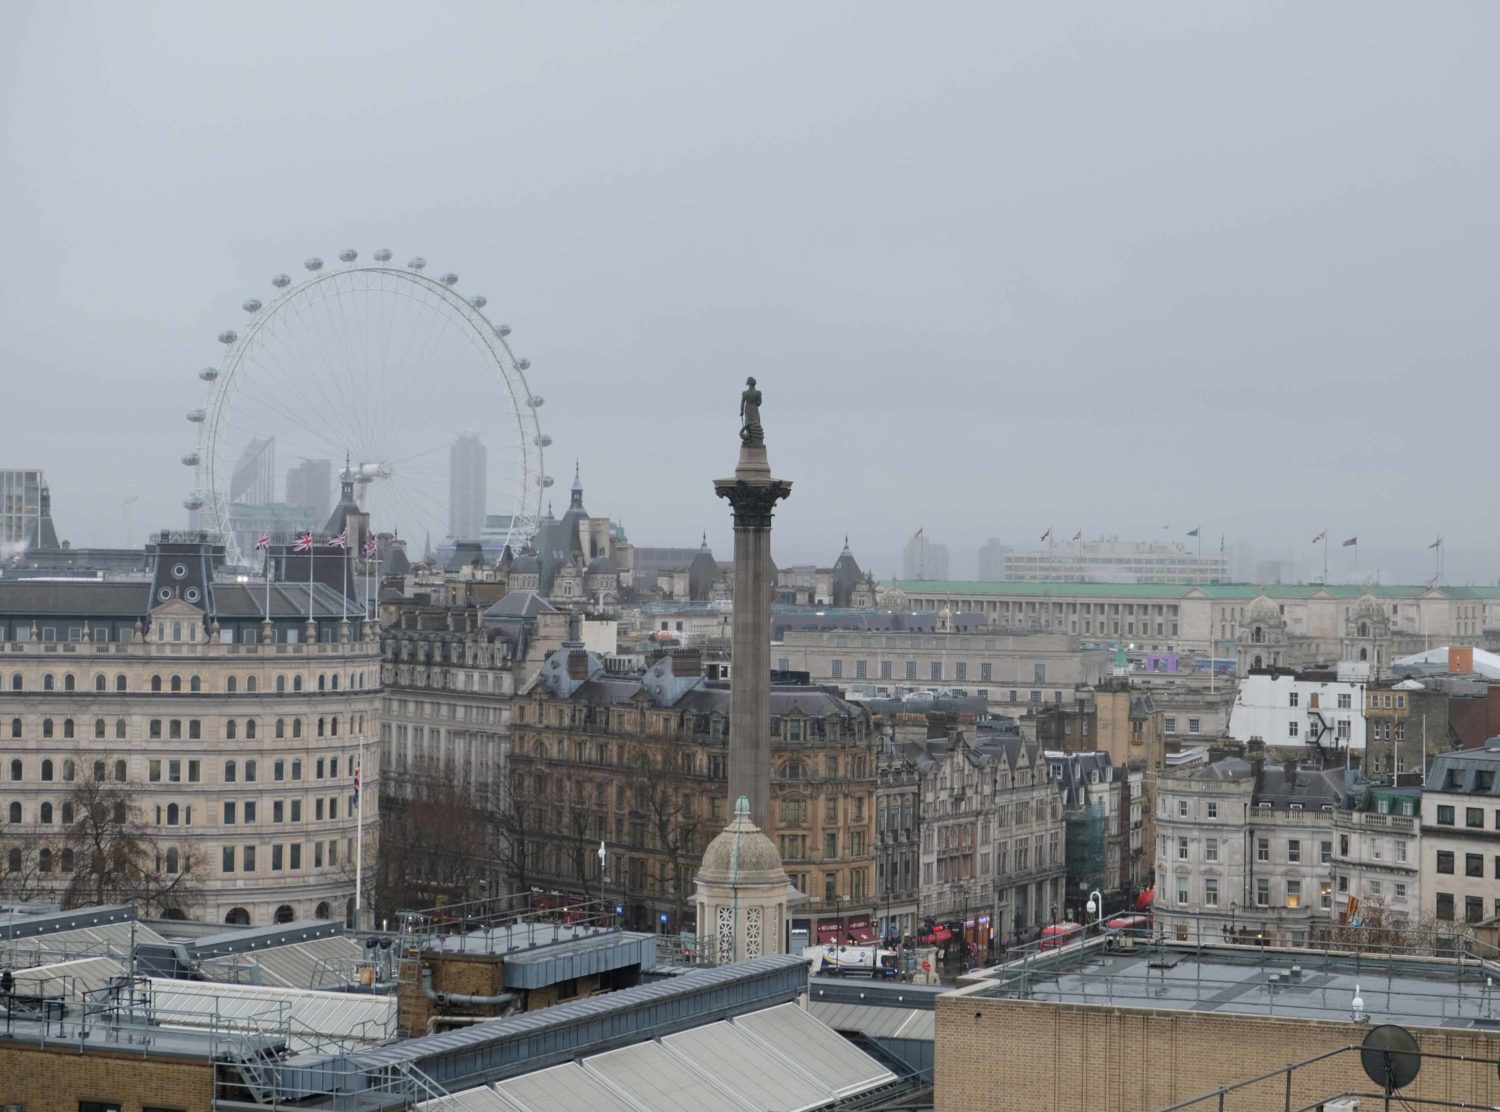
1245 980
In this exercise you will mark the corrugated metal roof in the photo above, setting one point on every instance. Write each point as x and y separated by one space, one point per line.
601 953
482 1100
815 1049
749 1069
314 1018
877 1022
568 1088
657 1080
72 979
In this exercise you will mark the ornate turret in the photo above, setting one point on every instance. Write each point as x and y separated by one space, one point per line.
742 893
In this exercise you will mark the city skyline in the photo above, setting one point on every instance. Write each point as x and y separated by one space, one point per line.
1194 355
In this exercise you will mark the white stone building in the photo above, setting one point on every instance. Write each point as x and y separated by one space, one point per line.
1321 710
1377 858
1461 836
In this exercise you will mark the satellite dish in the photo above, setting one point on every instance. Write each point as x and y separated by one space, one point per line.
1391 1057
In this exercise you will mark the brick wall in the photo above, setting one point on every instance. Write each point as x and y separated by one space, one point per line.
469 974
993 1053
57 1079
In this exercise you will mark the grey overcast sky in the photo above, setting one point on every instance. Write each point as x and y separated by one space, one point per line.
997 266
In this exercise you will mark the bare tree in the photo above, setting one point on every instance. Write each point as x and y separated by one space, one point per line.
28 869
667 803
520 825
114 857
435 840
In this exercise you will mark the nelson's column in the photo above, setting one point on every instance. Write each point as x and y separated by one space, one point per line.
752 495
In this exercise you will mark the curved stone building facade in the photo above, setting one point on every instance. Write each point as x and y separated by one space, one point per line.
228 737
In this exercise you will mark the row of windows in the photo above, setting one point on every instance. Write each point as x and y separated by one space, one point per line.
1292 850
1473 816
176 770
327 681
289 855
1291 893
174 728
1473 864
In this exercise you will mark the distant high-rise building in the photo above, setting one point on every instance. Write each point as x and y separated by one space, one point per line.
20 504
466 483
253 480
309 490
992 560
922 559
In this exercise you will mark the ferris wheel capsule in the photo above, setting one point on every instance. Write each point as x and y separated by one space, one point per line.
544 480
193 501
196 416
479 301
383 255
208 374
449 279
416 262
543 441
251 305
348 255
228 336
191 459
314 263
524 364
281 281
536 401
502 330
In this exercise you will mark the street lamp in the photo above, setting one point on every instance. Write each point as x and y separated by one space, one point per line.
1095 906
603 880
1233 907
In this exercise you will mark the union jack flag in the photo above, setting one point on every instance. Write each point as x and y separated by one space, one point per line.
304 543
354 799
370 546
340 541
263 543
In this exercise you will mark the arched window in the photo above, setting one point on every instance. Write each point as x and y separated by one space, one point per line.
281 727
177 631
44 860
250 730
120 683
296 683
176 684
237 917
249 683
67 727
280 685
172 859
174 728
1256 662
101 682
69 770
321 726
15 681
323 911
333 681
46 814
67 814
174 814
67 861
173 913
15 812
120 771
322 681
250 772
99 727
15 769
333 726
296 727
119 729
232 684
1364 631
46 727
195 684
68 682
284 914
230 769
119 811
98 772
15 727
1258 635
1364 654
47 771
155 683
13 861
229 729
48 683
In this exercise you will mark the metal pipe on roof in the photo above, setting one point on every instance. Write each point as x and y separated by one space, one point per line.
443 999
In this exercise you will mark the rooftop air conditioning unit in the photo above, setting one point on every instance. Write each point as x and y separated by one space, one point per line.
1343 1104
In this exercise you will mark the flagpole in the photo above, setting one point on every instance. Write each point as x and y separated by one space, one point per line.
1325 557
266 568
344 602
359 836
312 553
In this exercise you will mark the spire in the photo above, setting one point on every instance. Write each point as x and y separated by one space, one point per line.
577 481
704 546
576 503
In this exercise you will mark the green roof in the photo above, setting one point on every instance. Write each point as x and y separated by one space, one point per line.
1185 590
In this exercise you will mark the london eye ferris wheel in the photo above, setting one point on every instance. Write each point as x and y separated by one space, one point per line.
384 370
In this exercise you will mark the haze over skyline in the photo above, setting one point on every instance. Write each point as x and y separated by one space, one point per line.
996 269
